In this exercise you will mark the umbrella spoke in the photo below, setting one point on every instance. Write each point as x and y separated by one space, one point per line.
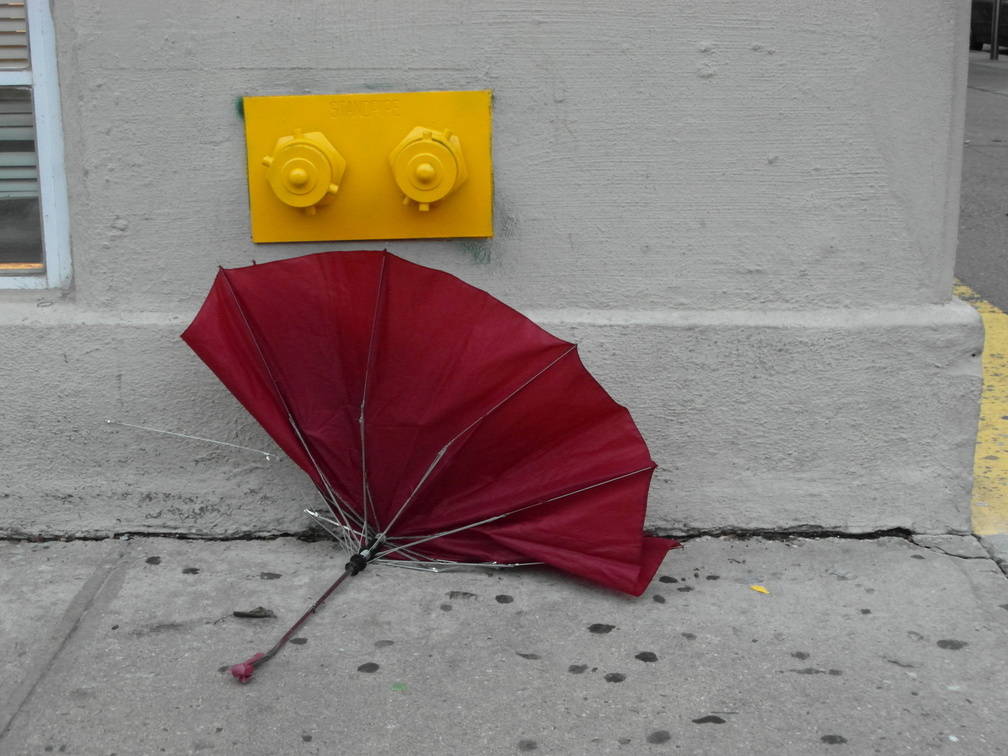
278 392
367 504
440 455
416 541
345 534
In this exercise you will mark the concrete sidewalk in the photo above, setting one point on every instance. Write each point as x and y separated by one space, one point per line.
859 646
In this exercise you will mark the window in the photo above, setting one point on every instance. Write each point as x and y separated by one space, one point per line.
34 219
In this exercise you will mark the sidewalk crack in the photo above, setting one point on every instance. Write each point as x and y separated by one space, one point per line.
60 637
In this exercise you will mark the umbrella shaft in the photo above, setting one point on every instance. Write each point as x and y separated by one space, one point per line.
287 636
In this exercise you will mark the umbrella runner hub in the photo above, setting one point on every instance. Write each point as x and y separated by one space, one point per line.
359 561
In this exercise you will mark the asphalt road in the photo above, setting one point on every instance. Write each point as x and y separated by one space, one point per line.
983 214
983 277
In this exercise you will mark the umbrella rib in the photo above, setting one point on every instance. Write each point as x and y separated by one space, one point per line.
279 394
348 536
474 423
424 539
368 504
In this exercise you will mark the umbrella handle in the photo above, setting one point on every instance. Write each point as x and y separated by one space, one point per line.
243 672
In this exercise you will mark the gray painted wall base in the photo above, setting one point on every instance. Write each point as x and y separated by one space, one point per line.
850 419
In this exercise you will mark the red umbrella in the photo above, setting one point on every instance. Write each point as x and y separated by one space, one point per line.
439 425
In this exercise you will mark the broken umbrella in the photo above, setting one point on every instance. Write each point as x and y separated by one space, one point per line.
439 425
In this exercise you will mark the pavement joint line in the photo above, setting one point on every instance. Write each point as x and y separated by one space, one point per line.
810 532
61 635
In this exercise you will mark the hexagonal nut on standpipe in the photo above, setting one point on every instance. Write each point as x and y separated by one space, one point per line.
428 166
305 170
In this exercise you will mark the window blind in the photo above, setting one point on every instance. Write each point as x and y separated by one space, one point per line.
13 36
18 161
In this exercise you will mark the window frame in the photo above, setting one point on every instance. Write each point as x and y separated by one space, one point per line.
43 80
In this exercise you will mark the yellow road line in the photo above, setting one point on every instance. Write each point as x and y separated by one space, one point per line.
990 462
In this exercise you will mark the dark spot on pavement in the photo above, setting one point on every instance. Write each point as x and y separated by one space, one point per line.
833 739
900 664
115 627
685 589
190 570
615 677
383 643
446 607
527 745
153 560
866 611
667 579
460 595
577 669
951 644
299 641
659 736
658 598
814 671
503 598
912 556
306 738
1003 606
160 627
269 575
601 629
713 577
647 656
709 719
688 636
533 657
803 655
368 667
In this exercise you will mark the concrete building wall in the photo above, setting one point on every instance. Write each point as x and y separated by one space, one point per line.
744 212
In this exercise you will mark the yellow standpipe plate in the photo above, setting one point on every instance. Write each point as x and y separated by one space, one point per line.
990 466
365 129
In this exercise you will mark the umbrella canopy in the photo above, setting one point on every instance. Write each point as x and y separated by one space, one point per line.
439 424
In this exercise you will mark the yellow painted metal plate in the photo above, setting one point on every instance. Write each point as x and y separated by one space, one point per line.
365 130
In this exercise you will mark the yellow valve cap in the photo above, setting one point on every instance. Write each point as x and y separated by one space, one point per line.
428 166
304 170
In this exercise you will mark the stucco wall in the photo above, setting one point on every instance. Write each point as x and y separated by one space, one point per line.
745 212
